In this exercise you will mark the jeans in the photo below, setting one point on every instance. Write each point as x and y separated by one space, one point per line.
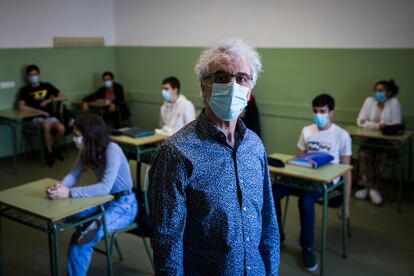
306 204
118 213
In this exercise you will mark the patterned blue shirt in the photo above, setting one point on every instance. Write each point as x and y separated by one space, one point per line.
212 204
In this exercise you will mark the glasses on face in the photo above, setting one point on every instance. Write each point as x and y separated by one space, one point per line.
224 77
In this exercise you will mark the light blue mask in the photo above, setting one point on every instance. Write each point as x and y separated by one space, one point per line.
379 96
166 95
228 100
34 79
321 120
108 84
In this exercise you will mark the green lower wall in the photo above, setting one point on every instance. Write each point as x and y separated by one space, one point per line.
75 71
291 78
285 89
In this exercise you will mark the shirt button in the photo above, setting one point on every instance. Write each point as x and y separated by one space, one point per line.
247 239
248 268
241 181
244 209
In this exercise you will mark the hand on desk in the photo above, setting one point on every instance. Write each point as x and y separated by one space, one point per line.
58 191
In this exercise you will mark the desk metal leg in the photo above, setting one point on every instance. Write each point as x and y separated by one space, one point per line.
13 132
324 219
56 251
107 247
400 186
51 251
410 161
344 222
1 251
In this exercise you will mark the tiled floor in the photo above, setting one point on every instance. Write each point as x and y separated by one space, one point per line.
382 240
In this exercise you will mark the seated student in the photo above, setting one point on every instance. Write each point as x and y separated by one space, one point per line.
111 93
177 111
250 116
107 161
322 136
381 109
40 96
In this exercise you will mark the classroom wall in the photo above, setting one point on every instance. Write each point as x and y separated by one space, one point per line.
266 23
34 23
75 71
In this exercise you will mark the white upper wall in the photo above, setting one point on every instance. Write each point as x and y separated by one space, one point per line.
34 23
266 23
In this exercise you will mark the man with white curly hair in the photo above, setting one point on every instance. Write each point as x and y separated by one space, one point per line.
211 197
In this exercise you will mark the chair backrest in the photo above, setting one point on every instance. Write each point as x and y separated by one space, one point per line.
147 191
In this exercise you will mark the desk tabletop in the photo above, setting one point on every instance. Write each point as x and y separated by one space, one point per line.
137 142
325 174
31 198
16 114
356 131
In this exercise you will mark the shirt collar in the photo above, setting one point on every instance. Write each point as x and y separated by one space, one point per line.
208 130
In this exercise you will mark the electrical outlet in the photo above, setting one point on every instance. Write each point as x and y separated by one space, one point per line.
7 84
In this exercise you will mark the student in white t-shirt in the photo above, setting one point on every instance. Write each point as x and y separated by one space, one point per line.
379 110
322 136
177 111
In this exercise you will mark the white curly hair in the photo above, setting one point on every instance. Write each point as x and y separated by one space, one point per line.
233 48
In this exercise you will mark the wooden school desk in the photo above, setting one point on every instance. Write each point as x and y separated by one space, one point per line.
28 204
319 180
137 147
373 138
13 119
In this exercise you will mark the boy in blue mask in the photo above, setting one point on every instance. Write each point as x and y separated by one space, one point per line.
111 93
41 97
322 136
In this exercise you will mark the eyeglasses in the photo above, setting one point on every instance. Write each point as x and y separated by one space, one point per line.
224 77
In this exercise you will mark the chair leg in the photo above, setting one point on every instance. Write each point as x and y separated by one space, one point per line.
118 249
148 252
285 213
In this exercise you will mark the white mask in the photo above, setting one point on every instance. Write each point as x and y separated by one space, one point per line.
78 140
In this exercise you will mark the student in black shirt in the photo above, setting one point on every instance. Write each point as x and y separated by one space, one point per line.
112 94
40 96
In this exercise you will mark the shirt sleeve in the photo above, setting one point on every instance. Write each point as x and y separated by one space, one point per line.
363 113
346 149
189 113
168 178
395 113
269 246
104 187
73 176
52 90
302 143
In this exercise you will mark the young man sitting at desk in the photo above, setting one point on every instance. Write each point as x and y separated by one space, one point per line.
177 111
322 136
112 95
40 96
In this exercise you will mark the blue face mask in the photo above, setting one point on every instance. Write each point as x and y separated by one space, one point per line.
228 100
34 79
166 95
379 96
321 120
108 84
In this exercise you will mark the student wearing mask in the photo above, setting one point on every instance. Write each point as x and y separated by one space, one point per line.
111 168
322 136
177 111
378 110
111 93
41 96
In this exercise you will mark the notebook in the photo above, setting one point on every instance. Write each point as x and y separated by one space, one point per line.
134 132
312 160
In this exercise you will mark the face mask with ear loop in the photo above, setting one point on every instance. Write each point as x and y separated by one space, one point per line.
228 100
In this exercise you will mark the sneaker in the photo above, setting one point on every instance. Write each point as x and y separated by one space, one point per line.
58 154
375 196
361 194
50 159
89 233
309 260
